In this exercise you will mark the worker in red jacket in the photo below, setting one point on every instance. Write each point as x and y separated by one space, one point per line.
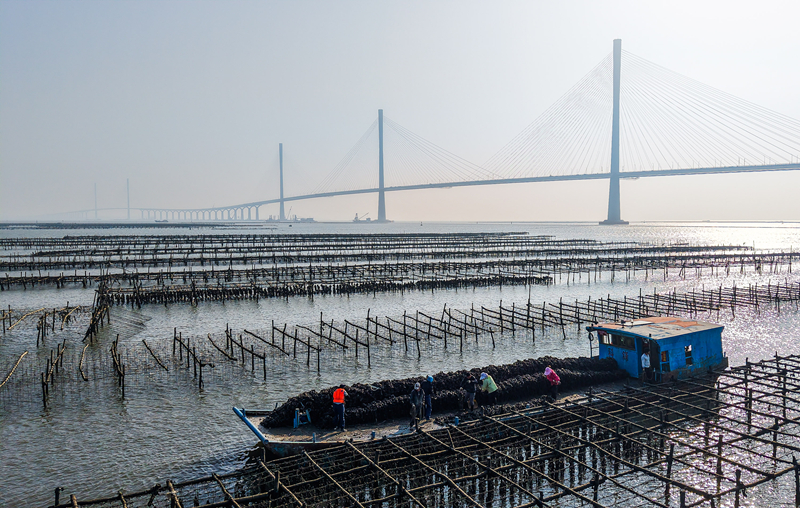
338 408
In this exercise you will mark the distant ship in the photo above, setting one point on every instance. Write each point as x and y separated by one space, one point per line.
293 218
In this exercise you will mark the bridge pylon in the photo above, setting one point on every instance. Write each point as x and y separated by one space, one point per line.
381 191
613 183
282 213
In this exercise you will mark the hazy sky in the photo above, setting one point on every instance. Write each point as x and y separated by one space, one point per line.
189 100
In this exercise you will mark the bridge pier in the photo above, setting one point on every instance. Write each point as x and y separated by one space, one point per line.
614 216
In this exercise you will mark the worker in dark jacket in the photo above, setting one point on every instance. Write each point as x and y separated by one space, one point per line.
470 386
417 397
427 387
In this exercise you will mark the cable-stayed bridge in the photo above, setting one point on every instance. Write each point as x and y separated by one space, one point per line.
626 118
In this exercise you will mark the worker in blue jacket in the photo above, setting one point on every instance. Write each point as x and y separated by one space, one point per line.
427 387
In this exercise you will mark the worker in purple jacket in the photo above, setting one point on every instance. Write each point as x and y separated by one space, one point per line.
554 380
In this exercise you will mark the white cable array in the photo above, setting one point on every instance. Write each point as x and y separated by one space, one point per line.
667 121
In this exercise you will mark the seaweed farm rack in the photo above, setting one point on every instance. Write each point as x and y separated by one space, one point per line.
705 442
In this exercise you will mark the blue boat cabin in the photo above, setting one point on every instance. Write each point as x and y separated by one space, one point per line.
677 347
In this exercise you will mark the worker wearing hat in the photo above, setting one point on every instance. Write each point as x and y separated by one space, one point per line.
417 397
427 387
488 385
554 381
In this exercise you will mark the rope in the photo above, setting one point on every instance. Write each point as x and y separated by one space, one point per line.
23 317
80 363
154 355
13 368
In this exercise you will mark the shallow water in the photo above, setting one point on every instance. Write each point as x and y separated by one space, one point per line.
92 442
